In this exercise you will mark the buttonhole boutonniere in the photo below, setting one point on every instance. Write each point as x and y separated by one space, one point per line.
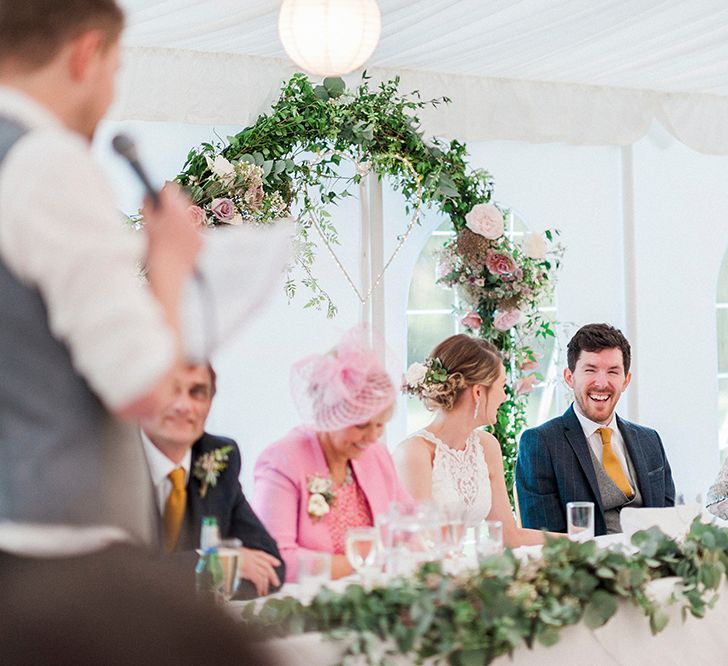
208 466
322 495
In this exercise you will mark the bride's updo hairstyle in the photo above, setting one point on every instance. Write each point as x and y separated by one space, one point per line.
468 361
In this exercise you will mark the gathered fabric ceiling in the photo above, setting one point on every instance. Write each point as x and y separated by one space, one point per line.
579 71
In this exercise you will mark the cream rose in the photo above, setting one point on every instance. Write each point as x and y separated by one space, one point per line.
534 246
317 506
485 220
220 167
415 374
319 485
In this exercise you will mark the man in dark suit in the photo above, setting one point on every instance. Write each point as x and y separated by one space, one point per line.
195 474
589 453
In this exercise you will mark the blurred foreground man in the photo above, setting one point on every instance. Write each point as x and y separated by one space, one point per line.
181 455
82 343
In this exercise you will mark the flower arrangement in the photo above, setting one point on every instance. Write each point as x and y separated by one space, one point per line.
209 466
289 163
321 495
421 375
507 603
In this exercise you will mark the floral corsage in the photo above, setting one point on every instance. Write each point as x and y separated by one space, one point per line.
208 467
322 495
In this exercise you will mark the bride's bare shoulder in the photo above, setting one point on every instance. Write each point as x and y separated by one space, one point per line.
415 447
490 444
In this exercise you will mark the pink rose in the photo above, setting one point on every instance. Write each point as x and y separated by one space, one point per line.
500 264
506 319
197 216
222 209
485 220
472 321
524 386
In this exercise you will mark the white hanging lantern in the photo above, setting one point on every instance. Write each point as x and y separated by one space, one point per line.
329 37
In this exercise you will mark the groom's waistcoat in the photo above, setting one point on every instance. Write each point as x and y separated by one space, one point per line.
63 458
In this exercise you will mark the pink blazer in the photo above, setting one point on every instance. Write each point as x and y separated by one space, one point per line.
281 494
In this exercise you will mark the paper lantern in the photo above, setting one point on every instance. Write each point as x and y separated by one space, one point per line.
329 37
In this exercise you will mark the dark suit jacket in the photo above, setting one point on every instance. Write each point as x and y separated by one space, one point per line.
227 503
554 467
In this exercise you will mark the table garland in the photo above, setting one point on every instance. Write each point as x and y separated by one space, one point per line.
293 158
507 603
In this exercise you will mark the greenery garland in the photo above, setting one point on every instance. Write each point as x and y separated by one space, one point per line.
507 603
295 157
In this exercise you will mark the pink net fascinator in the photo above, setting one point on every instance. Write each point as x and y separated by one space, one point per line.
343 387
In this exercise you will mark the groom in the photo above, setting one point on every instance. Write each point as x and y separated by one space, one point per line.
589 453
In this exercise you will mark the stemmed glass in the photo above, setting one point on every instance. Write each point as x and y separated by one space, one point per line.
362 551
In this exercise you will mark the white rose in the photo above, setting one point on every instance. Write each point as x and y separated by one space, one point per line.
534 246
318 484
220 167
415 374
317 506
485 220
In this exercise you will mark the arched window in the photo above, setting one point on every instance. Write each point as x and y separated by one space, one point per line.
430 320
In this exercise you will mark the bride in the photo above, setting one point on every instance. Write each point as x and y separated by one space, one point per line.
451 460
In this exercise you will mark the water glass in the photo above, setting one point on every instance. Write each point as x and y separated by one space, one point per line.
580 521
453 529
489 538
314 571
228 552
362 550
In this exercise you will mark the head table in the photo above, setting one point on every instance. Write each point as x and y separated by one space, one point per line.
625 639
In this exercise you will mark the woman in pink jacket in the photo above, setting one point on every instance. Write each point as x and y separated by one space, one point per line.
322 479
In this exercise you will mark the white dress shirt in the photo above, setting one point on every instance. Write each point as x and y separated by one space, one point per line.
60 232
594 439
159 468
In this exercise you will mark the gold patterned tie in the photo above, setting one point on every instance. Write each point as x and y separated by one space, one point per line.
174 508
611 465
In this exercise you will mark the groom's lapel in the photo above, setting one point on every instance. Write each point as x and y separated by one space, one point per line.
574 434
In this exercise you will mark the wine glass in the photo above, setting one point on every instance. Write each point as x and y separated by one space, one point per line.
362 550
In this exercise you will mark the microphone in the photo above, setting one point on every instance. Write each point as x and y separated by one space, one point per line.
127 149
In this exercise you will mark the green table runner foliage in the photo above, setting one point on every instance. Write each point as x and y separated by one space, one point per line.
475 617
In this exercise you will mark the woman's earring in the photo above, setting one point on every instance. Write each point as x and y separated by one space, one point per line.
477 408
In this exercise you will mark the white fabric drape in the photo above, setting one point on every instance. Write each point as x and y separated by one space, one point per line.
222 89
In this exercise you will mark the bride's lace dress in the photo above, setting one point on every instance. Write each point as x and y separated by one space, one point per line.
460 476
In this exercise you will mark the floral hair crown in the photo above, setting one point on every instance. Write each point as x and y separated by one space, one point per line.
420 376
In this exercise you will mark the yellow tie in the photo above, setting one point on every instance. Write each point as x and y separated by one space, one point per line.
174 508
611 465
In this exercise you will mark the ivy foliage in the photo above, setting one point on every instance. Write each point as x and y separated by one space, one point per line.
507 603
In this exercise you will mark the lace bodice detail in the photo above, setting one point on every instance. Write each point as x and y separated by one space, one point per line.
461 476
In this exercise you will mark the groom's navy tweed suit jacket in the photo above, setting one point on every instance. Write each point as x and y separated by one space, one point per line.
554 467
228 504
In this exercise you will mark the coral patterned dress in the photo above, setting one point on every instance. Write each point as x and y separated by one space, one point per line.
350 509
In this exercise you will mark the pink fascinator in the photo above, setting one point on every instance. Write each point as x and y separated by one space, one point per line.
343 387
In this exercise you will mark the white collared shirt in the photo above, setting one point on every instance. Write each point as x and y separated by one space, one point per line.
159 468
594 439
60 233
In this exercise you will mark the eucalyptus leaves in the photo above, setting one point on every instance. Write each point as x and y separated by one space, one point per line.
508 603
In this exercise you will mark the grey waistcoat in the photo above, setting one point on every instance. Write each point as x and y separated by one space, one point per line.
613 499
63 458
